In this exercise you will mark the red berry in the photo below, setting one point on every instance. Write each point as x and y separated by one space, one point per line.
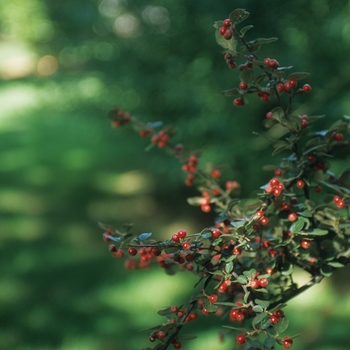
300 184
186 245
175 238
260 213
269 115
267 61
336 199
292 217
216 174
174 309
118 254
233 314
243 86
228 34
181 234
306 88
269 270
213 298
232 185
222 30
264 221
241 339
238 102
227 23
341 204
279 313
311 158
177 345
287 342
293 82
254 283
215 233
274 319
237 251
161 335
318 189
274 182
304 123
338 137
206 208
288 87
132 251
272 253
305 243
265 98
112 248
280 87
263 282
278 172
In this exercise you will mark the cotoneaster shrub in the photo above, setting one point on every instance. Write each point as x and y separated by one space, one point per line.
246 260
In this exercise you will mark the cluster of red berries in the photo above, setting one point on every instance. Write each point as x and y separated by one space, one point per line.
259 283
230 61
190 167
160 139
274 318
271 62
264 95
119 117
240 314
225 31
304 122
340 203
274 187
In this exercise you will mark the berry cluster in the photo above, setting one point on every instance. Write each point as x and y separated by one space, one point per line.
160 139
190 167
119 117
225 31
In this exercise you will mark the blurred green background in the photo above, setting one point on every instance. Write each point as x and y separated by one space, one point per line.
63 65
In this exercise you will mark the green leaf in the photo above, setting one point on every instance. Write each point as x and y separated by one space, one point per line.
278 114
195 200
238 15
242 330
247 76
282 325
286 268
270 343
281 149
344 179
260 41
258 308
298 225
229 267
257 319
249 274
187 337
227 303
335 264
218 24
246 296
268 123
242 280
262 290
317 232
164 312
245 29
298 75
231 92
326 270
254 343
306 213
264 303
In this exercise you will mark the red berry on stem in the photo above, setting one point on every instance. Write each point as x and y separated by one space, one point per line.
305 243
263 282
274 319
237 251
132 251
243 86
307 88
278 172
280 87
241 338
186 245
228 34
213 298
292 217
222 30
254 283
215 233
300 184
216 174
238 102
338 137
269 115
287 342
182 234
227 23
264 221
118 254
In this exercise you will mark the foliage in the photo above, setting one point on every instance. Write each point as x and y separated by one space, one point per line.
246 261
